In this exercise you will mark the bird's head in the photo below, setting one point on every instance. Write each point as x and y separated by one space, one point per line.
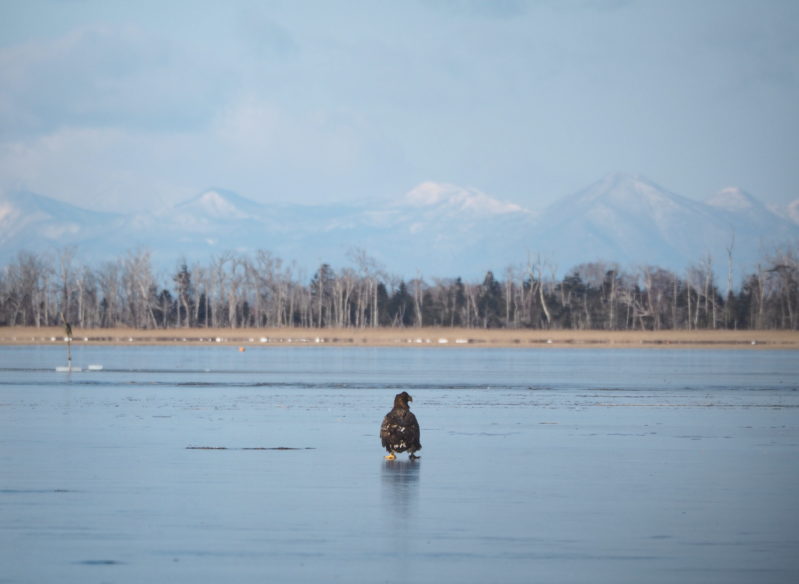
402 399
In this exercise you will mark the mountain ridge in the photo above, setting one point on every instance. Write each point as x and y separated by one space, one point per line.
435 229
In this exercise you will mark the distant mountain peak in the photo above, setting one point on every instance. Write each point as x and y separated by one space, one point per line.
435 194
26 203
620 190
36 221
220 204
733 199
793 211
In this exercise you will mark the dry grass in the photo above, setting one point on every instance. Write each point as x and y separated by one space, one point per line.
426 337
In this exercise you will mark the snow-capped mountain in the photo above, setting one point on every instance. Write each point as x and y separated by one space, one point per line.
735 200
793 211
746 213
38 223
216 205
440 229
633 221
448 198
435 229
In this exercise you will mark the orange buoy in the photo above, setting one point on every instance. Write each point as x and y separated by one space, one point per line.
242 349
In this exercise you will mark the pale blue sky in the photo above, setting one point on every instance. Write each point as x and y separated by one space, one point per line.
134 105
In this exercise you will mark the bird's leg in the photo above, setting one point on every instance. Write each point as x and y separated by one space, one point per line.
412 456
390 456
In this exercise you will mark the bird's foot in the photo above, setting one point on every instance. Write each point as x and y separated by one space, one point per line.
390 456
413 456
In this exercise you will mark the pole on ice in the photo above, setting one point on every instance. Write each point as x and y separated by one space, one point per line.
68 333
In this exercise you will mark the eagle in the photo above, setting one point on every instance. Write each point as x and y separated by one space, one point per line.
400 430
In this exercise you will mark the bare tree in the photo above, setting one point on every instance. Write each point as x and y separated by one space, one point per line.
185 294
370 272
783 288
66 282
536 272
139 284
27 283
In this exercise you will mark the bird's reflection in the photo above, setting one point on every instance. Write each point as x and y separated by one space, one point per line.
401 471
400 502
401 484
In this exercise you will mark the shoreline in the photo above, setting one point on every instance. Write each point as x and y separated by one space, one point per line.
409 337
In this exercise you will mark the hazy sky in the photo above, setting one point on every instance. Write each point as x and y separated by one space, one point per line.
128 105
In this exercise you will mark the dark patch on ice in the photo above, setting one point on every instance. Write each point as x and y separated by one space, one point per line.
277 553
250 448
503 434
99 563
532 555
278 448
33 491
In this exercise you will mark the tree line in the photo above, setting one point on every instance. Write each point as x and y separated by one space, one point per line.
258 290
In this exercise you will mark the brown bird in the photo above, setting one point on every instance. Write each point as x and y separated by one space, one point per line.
399 431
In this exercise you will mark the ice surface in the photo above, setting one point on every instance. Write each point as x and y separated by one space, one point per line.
545 465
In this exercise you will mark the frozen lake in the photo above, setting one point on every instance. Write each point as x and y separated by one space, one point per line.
539 465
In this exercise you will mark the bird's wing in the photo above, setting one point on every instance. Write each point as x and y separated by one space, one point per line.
385 429
412 429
